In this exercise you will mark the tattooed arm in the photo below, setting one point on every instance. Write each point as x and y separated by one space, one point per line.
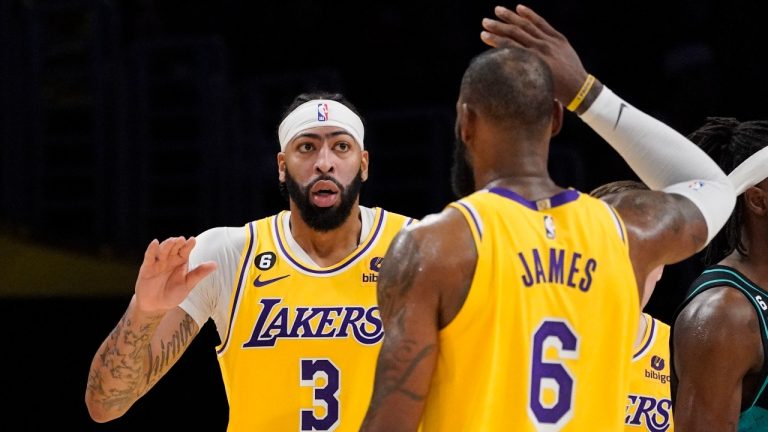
423 282
662 228
152 334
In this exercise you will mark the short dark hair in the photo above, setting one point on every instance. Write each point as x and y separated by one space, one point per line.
510 85
729 142
617 187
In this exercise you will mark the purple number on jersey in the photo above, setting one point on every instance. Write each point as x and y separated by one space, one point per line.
551 374
326 396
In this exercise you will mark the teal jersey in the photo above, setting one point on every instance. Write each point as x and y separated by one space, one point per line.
755 417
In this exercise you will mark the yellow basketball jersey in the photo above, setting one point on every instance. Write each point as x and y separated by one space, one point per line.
301 349
649 407
544 339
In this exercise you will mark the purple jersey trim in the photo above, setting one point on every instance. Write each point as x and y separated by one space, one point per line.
651 334
243 271
338 267
474 219
558 199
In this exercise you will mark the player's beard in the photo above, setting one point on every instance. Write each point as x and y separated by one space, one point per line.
462 175
324 219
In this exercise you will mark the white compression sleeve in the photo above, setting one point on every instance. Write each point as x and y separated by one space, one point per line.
662 157
752 171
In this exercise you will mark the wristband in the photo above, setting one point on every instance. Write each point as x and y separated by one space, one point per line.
579 98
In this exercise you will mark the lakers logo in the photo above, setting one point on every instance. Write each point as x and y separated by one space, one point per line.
654 414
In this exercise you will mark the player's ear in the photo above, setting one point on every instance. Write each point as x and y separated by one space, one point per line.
557 117
364 165
281 167
756 201
466 122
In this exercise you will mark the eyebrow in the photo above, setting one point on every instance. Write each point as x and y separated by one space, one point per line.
318 136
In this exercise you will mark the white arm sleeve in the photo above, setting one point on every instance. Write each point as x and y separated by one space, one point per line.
663 158
210 298
752 171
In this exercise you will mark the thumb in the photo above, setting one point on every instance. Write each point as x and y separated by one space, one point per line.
197 274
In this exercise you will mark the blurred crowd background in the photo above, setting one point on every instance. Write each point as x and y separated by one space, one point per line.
123 121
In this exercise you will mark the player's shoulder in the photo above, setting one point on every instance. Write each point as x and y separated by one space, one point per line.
442 231
392 216
224 237
721 309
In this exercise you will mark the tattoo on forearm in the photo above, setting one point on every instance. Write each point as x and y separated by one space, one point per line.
169 350
122 360
127 358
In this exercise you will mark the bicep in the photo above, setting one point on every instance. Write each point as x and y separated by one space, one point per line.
408 305
663 228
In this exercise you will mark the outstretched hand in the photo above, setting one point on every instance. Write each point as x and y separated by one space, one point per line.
524 28
164 278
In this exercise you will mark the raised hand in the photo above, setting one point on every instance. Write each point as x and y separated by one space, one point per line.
164 277
524 28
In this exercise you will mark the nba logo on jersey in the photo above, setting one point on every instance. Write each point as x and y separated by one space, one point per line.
322 112
549 226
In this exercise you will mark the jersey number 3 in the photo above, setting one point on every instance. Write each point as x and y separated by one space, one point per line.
550 404
324 377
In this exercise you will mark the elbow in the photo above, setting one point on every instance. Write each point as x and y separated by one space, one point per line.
98 413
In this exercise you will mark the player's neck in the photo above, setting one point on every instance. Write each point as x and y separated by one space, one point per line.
531 187
328 247
754 265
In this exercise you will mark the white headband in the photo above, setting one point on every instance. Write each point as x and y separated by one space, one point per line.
320 112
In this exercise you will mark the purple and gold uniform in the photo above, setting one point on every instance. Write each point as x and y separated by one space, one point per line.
301 348
649 407
544 338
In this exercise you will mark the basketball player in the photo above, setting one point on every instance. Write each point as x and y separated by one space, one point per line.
516 307
292 295
720 335
649 404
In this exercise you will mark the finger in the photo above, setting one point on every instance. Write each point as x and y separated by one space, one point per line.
151 253
198 273
509 31
524 24
497 41
165 248
175 257
176 244
187 247
539 22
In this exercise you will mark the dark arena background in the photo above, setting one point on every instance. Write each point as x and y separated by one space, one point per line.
124 121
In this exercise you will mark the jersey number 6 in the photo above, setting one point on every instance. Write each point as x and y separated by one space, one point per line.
552 386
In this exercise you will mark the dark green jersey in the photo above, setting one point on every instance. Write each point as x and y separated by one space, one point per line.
755 417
